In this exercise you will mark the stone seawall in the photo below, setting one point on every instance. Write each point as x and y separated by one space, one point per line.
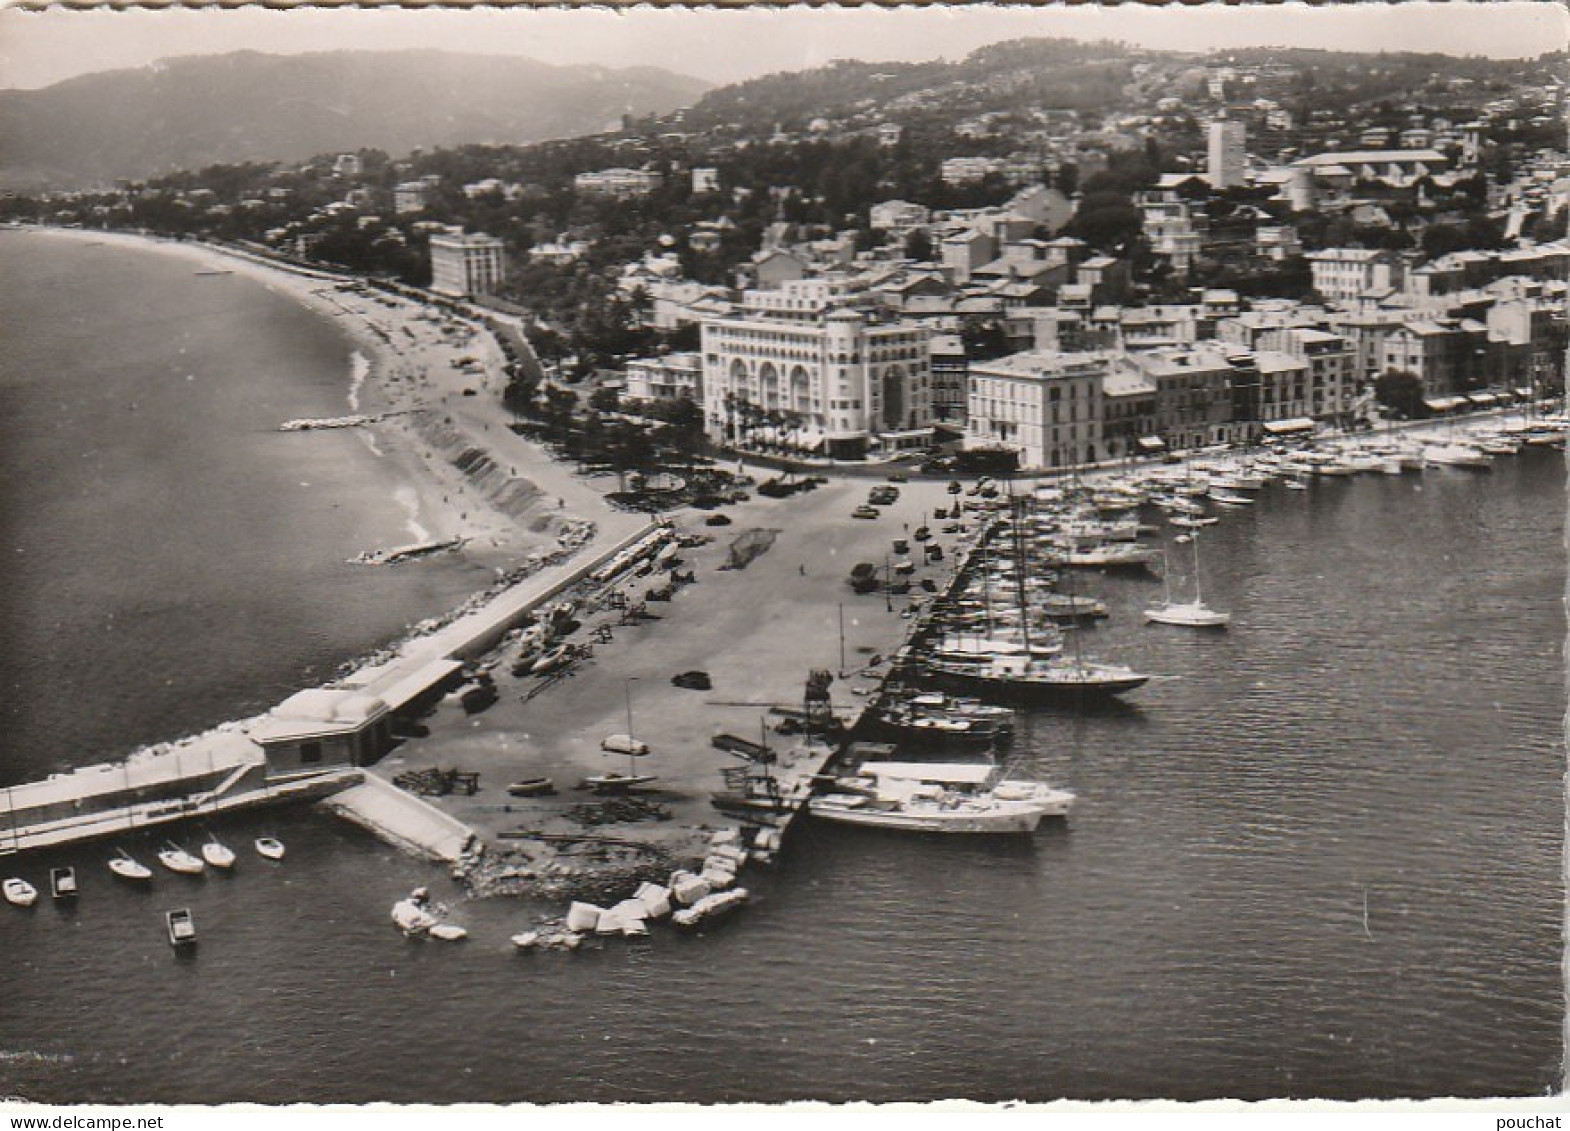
514 495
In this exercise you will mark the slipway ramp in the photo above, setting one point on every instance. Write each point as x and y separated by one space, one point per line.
402 819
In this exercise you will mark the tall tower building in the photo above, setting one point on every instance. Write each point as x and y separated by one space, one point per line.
1226 166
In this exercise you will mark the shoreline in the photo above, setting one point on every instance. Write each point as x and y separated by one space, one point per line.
382 379
418 395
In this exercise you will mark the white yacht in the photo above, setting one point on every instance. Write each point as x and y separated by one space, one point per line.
1458 455
1188 614
936 797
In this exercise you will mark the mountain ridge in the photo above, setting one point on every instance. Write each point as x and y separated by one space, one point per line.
190 111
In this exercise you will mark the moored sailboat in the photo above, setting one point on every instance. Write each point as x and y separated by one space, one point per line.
177 859
1188 614
127 867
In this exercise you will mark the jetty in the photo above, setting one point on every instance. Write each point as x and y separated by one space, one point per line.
744 683
315 744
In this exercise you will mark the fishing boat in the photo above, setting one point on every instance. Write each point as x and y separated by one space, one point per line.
217 854
269 847
939 798
532 787
943 720
62 882
19 892
1108 555
554 658
613 782
1188 614
182 927
1189 522
127 867
177 859
1070 607
756 795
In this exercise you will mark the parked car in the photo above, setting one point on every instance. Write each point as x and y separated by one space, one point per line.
864 512
717 520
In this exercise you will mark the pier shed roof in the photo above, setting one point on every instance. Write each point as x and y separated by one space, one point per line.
216 751
318 712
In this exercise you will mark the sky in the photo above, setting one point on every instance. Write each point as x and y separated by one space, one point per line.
41 48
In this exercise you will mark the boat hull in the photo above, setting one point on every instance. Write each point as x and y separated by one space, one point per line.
1188 616
1007 820
131 871
1045 689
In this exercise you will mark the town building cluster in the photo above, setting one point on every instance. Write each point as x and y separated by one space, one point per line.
1283 261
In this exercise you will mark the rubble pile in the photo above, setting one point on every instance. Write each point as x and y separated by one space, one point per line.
614 810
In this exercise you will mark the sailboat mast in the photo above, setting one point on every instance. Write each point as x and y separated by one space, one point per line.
1199 597
1017 511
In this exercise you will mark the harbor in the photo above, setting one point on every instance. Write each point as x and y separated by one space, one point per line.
494 742
1249 807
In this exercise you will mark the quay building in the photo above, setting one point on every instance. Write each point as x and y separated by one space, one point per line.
675 376
850 382
1059 409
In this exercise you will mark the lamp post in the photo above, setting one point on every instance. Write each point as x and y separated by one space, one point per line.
632 763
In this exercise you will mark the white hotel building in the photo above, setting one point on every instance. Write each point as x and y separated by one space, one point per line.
854 384
465 264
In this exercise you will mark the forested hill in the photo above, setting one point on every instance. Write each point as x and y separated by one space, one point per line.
191 112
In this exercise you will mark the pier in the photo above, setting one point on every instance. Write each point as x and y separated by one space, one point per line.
757 624
314 745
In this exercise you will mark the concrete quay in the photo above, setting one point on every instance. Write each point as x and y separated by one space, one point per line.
758 632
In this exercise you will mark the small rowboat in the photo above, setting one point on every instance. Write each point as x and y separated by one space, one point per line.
127 867
182 928
177 859
19 892
270 847
62 882
532 787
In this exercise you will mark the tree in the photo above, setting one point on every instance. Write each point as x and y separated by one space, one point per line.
1107 220
918 246
1401 391
685 424
984 337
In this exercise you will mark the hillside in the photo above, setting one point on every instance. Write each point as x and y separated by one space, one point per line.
195 111
1043 72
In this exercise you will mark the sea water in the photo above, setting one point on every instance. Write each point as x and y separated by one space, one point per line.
1323 858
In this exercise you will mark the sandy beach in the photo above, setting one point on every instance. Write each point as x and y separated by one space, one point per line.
435 381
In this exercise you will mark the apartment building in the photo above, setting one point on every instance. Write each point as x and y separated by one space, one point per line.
617 182
676 376
856 384
1048 406
465 264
